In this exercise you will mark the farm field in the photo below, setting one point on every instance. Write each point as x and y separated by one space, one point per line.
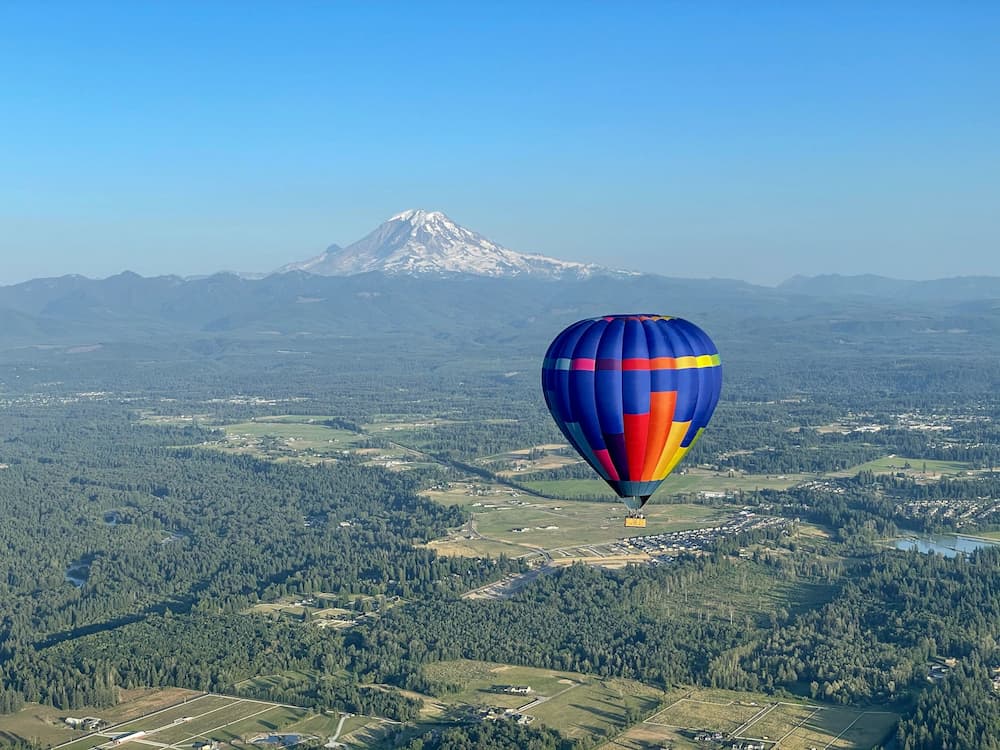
45 726
760 719
517 524
284 436
692 481
584 523
309 440
201 718
912 467
577 705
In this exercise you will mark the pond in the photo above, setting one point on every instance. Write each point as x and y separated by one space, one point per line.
77 574
949 545
78 571
285 740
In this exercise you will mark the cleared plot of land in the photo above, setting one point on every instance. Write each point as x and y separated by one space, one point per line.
517 524
535 458
691 482
476 494
196 707
706 715
752 716
781 720
269 720
537 525
203 718
596 708
742 591
268 436
577 705
85 743
309 440
476 548
373 733
223 721
913 467
45 724
282 680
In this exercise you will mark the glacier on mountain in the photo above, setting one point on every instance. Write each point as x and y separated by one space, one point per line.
419 242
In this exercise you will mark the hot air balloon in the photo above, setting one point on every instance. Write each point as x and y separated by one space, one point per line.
632 394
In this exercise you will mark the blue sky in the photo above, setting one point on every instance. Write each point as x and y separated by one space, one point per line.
747 140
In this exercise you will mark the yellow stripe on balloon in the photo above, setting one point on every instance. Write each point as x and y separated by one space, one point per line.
677 432
681 452
690 361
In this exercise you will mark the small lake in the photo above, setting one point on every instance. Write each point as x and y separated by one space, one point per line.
77 574
949 545
285 740
78 571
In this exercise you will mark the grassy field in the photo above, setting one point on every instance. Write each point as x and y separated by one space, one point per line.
682 484
575 704
456 547
743 590
45 725
279 681
913 467
516 525
200 718
583 523
297 436
757 717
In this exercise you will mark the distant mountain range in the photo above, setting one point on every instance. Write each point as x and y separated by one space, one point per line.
428 243
422 275
955 289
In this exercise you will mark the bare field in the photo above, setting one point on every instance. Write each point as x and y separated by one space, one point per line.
754 717
46 726
688 482
918 468
517 524
577 705
203 717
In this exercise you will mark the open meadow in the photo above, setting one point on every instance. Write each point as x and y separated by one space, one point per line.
759 719
917 468
197 719
309 440
577 705
692 481
505 521
45 725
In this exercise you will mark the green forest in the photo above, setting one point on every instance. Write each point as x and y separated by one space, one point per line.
134 553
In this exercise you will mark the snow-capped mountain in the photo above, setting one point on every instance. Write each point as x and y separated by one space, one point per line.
420 242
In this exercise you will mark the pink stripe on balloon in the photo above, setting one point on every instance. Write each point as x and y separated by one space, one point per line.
605 458
582 363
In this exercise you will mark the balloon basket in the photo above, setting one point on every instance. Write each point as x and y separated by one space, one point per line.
635 522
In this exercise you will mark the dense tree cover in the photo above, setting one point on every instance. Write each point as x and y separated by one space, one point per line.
962 712
177 541
189 531
874 641
492 735
871 642
631 623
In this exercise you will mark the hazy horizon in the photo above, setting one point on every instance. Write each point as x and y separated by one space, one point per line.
748 142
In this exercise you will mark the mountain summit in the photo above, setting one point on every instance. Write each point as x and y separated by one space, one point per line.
419 242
